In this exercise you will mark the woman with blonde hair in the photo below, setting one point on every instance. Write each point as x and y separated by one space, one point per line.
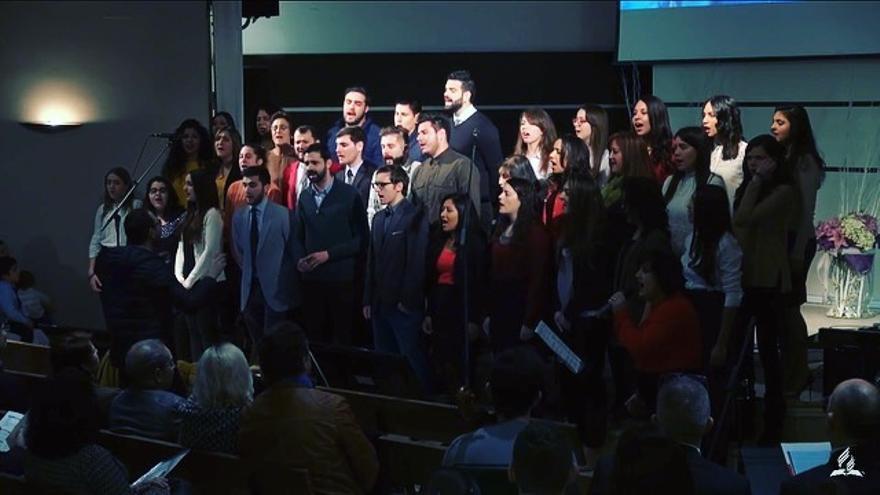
223 389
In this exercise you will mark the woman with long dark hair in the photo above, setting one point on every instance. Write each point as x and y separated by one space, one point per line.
520 264
791 127
722 124
190 150
220 121
583 284
650 121
765 206
162 202
518 166
569 154
535 140
591 126
117 182
227 145
201 241
690 155
445 278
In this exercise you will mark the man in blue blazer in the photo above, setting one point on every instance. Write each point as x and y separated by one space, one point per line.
262 235
394 296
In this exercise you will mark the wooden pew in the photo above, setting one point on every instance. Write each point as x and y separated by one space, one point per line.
29 358
209 472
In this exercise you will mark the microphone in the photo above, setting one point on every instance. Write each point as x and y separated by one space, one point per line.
605 309
166 135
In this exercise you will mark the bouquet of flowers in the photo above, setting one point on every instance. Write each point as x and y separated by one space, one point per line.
848 242
852 234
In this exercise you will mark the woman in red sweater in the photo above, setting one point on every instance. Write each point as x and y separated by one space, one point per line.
667 339
519 275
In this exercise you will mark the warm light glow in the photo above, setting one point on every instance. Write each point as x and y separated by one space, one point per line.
56 103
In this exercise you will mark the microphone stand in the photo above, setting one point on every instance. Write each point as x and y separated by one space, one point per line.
114 214
462 252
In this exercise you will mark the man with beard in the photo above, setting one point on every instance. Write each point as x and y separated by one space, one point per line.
330 231
470 127
262 238
395 153
355 107
294 179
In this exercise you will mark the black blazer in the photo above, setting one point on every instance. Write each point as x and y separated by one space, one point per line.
818 480
362 180
709 478
396 259
477 270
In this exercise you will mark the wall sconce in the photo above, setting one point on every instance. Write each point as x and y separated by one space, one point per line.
55 106
51 127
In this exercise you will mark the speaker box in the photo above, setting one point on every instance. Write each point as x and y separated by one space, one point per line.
259 8
849 353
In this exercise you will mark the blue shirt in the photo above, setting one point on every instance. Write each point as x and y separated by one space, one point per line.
488 446
320 194
10 306
261 208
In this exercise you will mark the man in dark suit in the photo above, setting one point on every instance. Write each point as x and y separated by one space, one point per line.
355 171
394 288
683 416
262 235
854 424
331 232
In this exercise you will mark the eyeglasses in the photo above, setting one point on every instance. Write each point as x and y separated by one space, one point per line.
577 121
380 185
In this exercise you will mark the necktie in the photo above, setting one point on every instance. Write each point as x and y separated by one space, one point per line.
255 239
349 177
388 213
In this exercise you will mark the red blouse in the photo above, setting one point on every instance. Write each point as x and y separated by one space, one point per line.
446 267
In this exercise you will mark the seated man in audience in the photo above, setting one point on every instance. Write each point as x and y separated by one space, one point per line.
293 423
854 424
146 407
11 311
515 386
683 416
543 462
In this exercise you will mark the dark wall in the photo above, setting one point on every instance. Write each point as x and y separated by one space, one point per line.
516 80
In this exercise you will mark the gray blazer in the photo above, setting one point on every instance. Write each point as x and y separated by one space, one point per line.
276 257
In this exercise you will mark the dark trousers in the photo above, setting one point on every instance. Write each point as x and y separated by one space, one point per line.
583 395
765 305
258 316
201 317
397 332
328 311
447 340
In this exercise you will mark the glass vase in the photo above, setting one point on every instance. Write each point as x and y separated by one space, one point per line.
851 283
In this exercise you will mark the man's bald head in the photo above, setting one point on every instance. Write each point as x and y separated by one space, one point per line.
683 410
149 365
854 409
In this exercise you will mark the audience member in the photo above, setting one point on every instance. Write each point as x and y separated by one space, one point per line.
406 116
355 113
471 132
164 204
721 124
35 304
650 121
117 183
331 235
295 179
63 455
395 276
644 462
667 338
791 127
146 407
220 121
854 466
591 126
519 279
201 241
138 288
542 462
10 305
262 237
444 171
263 127
281 154
515 388
766 205
190 151
293 423
535 140
356 171
227 147
690 156
455 280
224 388
583 285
